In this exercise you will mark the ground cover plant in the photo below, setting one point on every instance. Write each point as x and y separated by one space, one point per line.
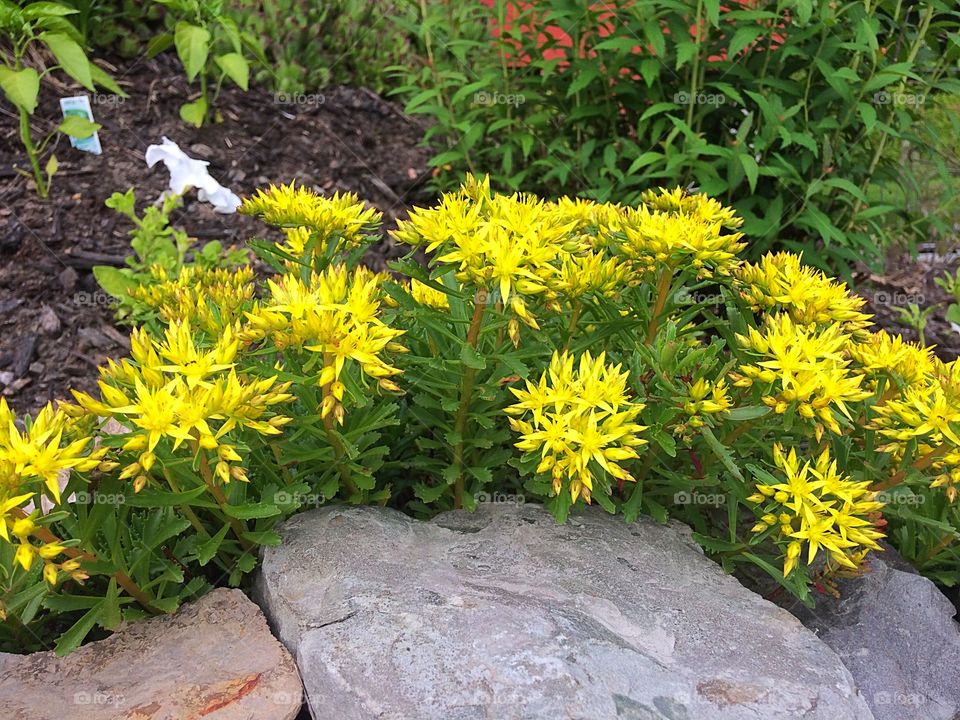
793 112
562 352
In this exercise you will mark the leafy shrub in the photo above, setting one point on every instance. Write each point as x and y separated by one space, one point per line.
564 352
159 269
787 110
312 45
211 47
44 24
121 25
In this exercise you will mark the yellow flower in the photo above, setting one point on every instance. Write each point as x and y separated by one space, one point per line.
880 352
819 507
176 390
698 206
806 368
508 245
209 299
335 313
581 422
780 282
426 295
41 451
674 237
342 215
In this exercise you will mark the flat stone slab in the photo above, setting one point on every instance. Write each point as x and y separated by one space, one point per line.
503 614
895 632
214 659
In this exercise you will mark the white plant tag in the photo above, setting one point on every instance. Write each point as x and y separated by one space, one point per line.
80 105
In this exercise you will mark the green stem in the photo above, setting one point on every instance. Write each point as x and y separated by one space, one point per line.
572 326
463 412
663 292
339 451
919 464
235 524
123 580
27 139
186 509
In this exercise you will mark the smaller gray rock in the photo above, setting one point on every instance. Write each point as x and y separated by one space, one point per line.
894 631
214 659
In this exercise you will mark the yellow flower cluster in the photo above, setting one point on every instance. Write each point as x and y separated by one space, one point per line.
32 462
818 507
175 390
677 230
505 244
879 353
780 282
697 206
805 369
581 420
210 299
426 295
335 313
342 216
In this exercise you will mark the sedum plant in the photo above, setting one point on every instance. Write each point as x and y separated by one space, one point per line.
164 265
567 353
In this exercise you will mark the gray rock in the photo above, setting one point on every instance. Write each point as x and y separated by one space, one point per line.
894 631
504 614
214 659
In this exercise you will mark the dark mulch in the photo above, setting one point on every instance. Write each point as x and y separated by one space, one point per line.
56 326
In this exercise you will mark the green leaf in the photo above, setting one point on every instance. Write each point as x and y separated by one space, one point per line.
209 547
51 167
750 169
193 48
471 358
722 453
21 87
114 281
235 67
71 57
71 639
749 412
194 113
37 10
78 126
743 37
251 511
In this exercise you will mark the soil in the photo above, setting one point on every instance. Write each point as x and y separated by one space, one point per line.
56 326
